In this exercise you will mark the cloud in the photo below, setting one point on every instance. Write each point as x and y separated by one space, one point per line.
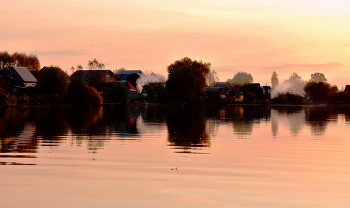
62 53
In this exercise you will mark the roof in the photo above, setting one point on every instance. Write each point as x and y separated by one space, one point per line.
128 85
266 87
22 72
122 75
83 74
234 92
25 74
250 87
221 84
214 89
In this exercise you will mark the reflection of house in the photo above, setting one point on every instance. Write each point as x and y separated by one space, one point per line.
17 78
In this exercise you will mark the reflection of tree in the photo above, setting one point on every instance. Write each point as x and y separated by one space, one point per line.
243 118
274 122
51 124
242 127
186 127
154 114
12 131
85 121
319 117
289 110
122 120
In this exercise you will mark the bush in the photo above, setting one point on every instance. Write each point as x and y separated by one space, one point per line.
289 99
117 94
82 94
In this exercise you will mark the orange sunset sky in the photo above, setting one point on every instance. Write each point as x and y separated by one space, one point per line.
254 36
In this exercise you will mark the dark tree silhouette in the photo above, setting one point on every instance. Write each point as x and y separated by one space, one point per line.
320 91
82 94
118 94
186 80
52 81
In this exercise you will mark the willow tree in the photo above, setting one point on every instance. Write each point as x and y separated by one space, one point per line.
186 80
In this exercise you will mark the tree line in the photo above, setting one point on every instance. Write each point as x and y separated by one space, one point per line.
187 82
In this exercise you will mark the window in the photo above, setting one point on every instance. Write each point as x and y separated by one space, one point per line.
108 76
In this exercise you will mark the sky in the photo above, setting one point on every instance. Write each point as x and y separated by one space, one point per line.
253 36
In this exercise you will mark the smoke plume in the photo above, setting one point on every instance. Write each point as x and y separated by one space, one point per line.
289 86
148 77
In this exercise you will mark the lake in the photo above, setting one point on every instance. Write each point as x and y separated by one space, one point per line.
233 156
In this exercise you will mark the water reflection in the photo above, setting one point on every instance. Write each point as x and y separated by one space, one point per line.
190 130
187 129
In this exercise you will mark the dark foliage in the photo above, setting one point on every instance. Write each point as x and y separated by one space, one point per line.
320 91
117 94
186 80
294 99
82 94
52 81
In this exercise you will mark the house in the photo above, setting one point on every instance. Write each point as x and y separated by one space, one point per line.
130 87
254 89
267 92
216 94
17 78
234 96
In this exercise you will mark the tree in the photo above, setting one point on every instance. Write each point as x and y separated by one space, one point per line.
320 91
19 59
79 93
52 81
186 80
95 65
240 78
212 78
94 77
118 94
318 77
274 80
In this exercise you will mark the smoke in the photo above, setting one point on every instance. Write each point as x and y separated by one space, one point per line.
289 86
148 77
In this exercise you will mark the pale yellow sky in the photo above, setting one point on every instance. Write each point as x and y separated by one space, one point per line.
254 36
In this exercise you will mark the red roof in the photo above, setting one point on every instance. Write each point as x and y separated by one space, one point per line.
131 87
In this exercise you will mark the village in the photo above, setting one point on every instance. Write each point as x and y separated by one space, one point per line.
189 82
20 80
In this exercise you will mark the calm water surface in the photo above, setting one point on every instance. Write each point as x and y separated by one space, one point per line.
235 156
